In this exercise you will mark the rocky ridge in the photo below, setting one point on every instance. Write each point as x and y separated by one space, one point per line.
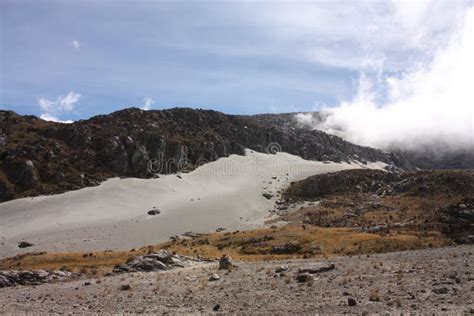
39 157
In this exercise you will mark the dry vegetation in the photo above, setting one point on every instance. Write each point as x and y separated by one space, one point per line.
290 241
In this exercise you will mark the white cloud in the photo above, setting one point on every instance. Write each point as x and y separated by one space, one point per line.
76 44
147 103
52 109
429 105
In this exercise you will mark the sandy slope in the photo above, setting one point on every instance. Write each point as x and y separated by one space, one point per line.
225 193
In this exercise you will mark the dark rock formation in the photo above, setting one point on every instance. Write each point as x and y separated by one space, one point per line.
24 244
13 278
39 157
418 183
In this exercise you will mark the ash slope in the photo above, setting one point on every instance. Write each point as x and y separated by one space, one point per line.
39 157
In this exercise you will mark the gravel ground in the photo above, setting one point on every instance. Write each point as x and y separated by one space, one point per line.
421 281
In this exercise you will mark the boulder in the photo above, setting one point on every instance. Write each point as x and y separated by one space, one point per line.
281 269
318 268
162 256
225 263
304 277
24 244
351 301
142 264
154 212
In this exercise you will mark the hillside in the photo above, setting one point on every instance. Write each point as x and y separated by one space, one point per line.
40 157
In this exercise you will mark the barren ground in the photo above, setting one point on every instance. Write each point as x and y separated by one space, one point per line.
397 282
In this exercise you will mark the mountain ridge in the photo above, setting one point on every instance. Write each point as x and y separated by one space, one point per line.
40 157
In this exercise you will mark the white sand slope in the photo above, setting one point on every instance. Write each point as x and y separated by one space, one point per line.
225 193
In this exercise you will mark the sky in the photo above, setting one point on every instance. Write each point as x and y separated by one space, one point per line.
65 60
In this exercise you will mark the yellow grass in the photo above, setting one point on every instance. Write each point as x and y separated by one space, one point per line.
253 245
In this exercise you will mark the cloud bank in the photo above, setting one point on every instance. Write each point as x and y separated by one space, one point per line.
51 110
429 106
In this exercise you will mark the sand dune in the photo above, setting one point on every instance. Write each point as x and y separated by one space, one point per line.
225 193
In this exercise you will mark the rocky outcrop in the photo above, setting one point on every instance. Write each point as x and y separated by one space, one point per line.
162 260
381 183
13 278
39 157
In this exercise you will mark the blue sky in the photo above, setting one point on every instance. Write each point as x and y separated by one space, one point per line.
69 60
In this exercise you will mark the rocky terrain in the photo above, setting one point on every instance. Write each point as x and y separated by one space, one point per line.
421 281
381 202
39 157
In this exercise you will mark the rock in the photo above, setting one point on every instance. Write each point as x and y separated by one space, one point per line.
162 260
162 255
220 229
154 212
214 277
13 278
24 244
281 269
142 264
125 287
304 277
351 301
216 308
288 248
377 229
318 268
267 195
225 263
442 290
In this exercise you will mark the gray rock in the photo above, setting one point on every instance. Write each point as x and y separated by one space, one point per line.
318 268
281 269
225 263
13 278
214 277
162 256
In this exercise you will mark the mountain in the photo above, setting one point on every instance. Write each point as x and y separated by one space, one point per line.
40 157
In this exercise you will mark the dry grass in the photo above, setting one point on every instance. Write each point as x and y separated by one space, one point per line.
253 245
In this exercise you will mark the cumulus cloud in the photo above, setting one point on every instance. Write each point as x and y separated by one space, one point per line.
147 103
76 44
51 110
430 105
